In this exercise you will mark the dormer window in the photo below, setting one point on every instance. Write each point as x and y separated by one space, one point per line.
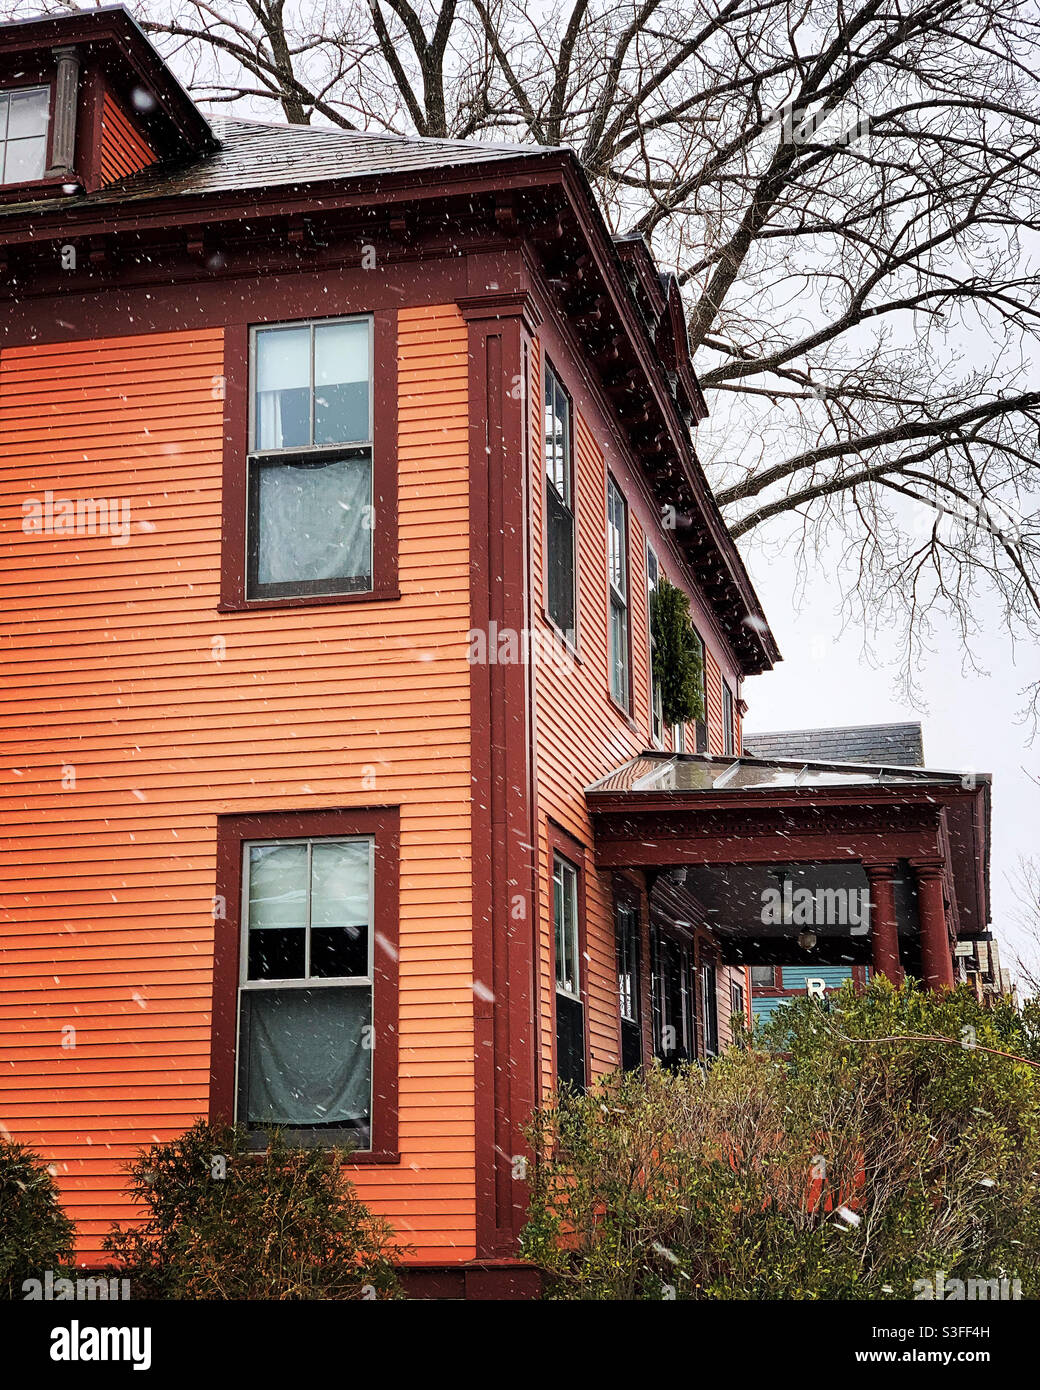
24 115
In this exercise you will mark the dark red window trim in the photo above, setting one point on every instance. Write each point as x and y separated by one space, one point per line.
383 823
236 386
562 843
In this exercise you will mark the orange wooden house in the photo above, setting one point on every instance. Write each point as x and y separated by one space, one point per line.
338 471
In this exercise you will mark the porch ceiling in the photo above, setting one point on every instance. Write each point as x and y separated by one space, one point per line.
659 810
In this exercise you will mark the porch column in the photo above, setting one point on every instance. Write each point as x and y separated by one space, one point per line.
63 139
936 955
884 934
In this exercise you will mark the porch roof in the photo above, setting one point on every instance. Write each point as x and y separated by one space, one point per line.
697 773
661 810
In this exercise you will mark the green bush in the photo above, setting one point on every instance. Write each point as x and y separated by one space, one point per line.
225 1222
678 655
35 1234
817 1161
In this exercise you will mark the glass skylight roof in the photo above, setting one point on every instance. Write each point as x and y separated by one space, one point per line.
687 773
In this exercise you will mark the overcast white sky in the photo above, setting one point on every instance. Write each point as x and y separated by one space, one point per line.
970 722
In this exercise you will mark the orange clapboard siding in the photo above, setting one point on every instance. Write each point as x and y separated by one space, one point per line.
580 733
713 686
108 885
124 149
580 736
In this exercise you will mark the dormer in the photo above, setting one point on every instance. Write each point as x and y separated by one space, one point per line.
86 101
659 300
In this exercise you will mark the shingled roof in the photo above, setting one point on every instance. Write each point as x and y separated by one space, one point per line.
892 745
260 155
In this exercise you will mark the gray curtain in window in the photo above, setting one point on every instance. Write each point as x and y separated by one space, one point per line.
313 523
308 1064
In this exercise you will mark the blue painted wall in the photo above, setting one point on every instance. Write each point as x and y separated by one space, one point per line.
794 978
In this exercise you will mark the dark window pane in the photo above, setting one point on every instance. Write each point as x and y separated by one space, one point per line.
284 419
277 953
341 413
560 577
709 999
570 1042
338 951
618 653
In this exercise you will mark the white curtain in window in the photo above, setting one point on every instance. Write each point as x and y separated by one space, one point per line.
283 388
314 522
340 883
277 885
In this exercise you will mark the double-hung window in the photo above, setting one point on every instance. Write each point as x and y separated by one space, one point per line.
24 117
702 723
305 987
710 1007
570 1012
559 507
729 729
626 932
617 577
305 977
653 578
736 1000
310 518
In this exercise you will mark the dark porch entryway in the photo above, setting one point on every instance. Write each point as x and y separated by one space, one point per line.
794 863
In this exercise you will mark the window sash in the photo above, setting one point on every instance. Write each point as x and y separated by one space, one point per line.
565 928
283 1092
653 578
307 981
627 919
253 991
312 326
557 439
559 523
619 651
729 733
32 140
701 727
307 452
617 548
360 582
709 996
559 568
617 579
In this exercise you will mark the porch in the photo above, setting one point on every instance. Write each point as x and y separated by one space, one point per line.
783 862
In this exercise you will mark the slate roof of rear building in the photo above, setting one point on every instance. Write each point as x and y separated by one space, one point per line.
894 745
